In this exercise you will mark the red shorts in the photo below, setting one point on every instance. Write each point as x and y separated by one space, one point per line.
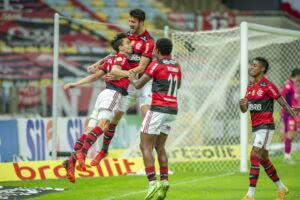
289 124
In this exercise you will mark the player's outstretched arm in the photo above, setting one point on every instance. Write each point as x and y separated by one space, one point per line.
286 106
244 105
89 79
138 84
144 62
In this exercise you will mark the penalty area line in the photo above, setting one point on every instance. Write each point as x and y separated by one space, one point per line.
174 184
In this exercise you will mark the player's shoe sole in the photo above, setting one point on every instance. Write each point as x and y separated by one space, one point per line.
282 193
101 155
81 160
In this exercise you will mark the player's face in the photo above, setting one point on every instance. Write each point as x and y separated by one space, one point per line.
134 24
126 46
256 69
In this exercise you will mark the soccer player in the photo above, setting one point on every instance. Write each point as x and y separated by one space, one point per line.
143 45
290 93
259 100
166 75
107 101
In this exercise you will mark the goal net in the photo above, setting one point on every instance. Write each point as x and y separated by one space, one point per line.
206 135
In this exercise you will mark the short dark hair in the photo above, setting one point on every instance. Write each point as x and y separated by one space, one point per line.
117 41
164 46
295 72
264 62
138 14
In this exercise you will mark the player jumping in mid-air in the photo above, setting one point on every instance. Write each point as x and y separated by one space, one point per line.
143 45
107 101
290 93
259 100
166 75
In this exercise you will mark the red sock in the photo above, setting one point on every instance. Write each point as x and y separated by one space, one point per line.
287 145
91 138
270 169
79 142
150 172
108 135
254 170
164 173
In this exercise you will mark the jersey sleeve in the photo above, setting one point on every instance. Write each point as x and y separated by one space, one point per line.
148 51
247 93
151 69
104 67
273 91
286 89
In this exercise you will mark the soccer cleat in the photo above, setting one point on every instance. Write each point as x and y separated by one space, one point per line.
282 193
80 156
70 168
153 188
248 198
98 158
163 189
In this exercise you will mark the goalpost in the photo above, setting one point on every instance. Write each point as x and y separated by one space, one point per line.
210 133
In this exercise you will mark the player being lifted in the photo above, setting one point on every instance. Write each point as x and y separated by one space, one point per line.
166 75
143 45
259 100
107 101
290 93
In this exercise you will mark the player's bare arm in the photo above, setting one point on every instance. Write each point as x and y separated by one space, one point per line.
142 65
117 71
89 79
286 106
244 105
138 84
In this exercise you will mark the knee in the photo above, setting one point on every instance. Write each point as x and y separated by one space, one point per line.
159 149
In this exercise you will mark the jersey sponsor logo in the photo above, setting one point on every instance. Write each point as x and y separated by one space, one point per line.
119 59
135 57
259 92
263 84
138 45
172 69
253 92
167 62
168 99
255 107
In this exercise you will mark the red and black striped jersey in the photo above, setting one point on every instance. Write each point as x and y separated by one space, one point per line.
166 73
122 84
261 97
142 45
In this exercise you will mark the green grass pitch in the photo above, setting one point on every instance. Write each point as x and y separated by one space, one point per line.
184 185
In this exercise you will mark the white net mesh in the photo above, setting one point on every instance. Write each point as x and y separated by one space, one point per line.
207 128
206 133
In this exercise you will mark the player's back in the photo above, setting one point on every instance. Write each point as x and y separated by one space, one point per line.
166 74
